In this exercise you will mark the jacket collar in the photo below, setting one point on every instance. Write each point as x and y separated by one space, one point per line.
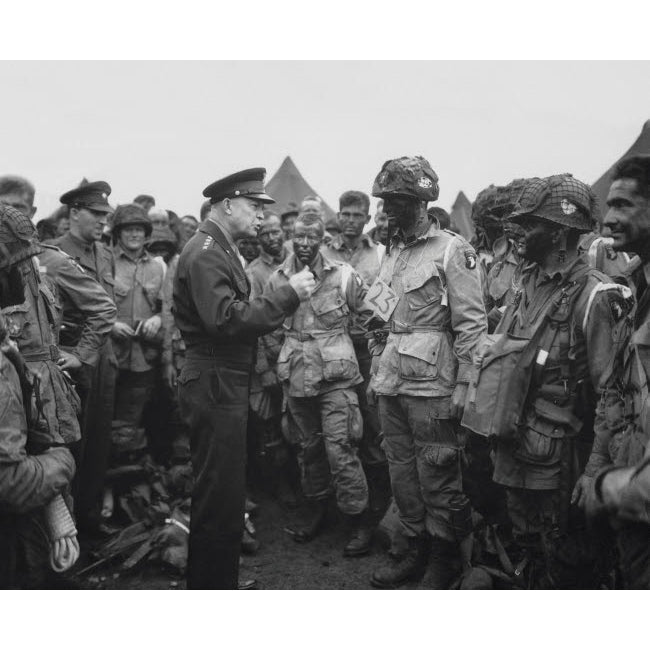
338 242
320 266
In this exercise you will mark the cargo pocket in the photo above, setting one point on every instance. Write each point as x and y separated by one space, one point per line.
17 322
440 455
540 443
187 375
339 360
418 356
423 287
284 363
355 422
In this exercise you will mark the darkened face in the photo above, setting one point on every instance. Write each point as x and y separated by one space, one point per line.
628 216
132 238
352 219
248 248
270 236
160 249
401 211
537 240
287 226
307 241
21 202
87 224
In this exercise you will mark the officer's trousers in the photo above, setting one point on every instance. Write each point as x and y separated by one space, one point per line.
97 391
213 400
424 456
329 424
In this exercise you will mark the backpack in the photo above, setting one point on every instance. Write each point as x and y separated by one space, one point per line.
506 365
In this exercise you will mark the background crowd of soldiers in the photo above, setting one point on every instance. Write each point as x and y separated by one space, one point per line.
492 395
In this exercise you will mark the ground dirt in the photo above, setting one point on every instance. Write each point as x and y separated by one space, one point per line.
280 563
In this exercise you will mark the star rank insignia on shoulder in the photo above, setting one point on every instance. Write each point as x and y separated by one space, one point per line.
208 242
470 260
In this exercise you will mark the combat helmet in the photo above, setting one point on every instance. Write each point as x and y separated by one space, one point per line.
561 199
130 214
163 236
407 176
17 237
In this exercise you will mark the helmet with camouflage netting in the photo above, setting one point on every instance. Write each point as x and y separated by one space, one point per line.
17 237
407 176
561 199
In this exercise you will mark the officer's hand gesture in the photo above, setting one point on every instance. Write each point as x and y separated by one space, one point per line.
303 283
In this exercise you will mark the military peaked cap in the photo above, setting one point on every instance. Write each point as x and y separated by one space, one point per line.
249 183
92 196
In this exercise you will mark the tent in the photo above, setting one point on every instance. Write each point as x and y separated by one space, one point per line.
461 216
288 187
601 186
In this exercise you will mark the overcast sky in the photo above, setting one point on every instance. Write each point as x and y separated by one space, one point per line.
169 129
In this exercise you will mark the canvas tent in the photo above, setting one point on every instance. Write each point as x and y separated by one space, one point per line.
601 186
461 216
288 187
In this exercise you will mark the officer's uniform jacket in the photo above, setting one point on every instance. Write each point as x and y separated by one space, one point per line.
211 306
595 335
439 318
96 259
34 326
88 311
317 355
138 296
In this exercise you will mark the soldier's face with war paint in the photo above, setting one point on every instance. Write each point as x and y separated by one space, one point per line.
132 238
270 236
537 240
628 217
307 240
246 217
401 211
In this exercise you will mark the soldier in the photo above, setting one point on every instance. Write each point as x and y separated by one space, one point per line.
137 333
379 233
220 326
618 473
359 250
600 253
429 293
28 481
319 369
266 391
89 209
570 315
249 249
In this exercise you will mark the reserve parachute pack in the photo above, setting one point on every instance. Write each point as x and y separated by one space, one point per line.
506 365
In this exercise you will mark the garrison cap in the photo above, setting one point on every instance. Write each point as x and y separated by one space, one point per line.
249 183
93 196
407 176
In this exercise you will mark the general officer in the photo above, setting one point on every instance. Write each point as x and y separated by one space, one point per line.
429 292
220 326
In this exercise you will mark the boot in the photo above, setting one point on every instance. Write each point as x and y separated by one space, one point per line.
410 566
445 565
361 536
315 523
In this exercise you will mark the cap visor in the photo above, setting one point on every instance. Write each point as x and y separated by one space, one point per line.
99 207
264 198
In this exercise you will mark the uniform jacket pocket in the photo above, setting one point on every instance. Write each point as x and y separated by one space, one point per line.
339 360
423 287
418 356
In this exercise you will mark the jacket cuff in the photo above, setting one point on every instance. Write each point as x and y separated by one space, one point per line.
465 372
